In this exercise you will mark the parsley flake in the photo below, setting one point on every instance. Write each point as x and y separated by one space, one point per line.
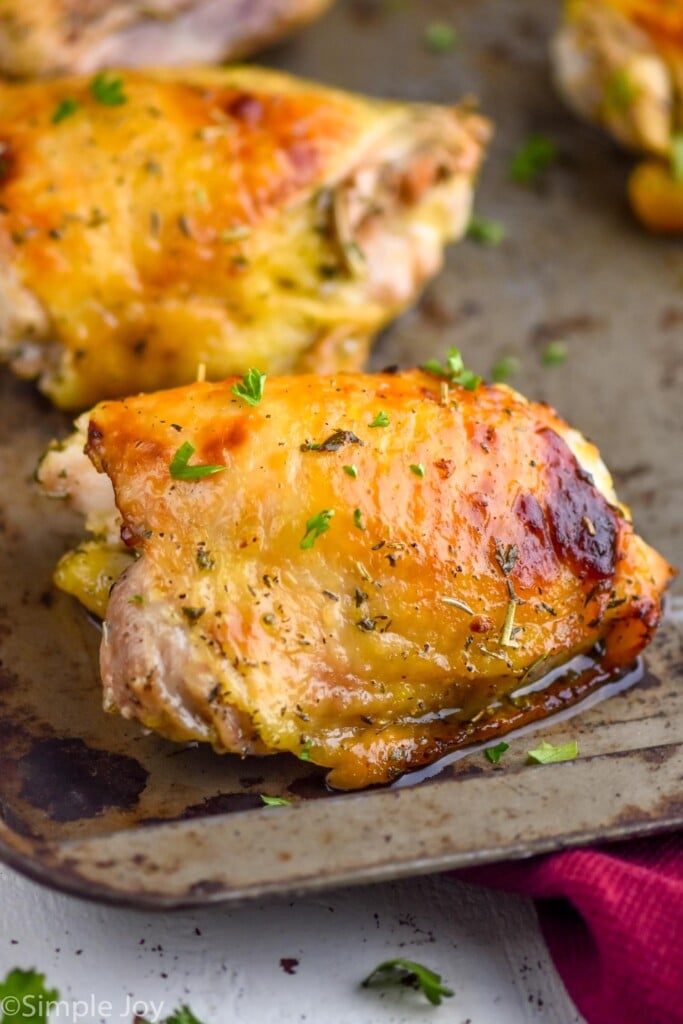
677 157
65 108
505 368
620 91
440 36
494 754
485 231
275 801
305 752
250 388
107 89
180 470
23 996
409 972
357 519
555 353
454 370
315 527
193 614
380 420
530 161
204 558
417 468
183 1015
546 753
351 471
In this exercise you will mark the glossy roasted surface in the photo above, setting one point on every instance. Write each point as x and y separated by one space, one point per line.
467 551
223 217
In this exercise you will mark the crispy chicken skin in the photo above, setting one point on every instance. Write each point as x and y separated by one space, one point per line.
620 63
367 616
50 37
225 217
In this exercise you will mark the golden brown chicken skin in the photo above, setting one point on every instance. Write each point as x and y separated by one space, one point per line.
152 223
47 37
620 63
368 570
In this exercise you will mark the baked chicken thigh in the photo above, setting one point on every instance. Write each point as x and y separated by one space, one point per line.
620 63
41 37
365 571
152 223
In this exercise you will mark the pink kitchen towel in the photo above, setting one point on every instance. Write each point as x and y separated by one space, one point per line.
613 920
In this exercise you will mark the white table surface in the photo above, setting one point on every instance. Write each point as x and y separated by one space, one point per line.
226 963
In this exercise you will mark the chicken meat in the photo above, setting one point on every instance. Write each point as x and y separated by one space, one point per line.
48 37
367 571
620 63
155 223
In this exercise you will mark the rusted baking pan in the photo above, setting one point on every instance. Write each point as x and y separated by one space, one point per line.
89 811
90 803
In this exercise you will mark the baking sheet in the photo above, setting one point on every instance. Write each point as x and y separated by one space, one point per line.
91 804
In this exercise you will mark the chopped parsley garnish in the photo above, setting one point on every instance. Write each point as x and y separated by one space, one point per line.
546 753
305 752
505 368
23 996
409 972
677 157
351 471
184 1015
275 801
65 108
534 157
357 514
555 353
485 231
204 558
417 468
136 599
250 388
193 614
315 527
620 91
440 36
181 470
494 754
107 89
380 420
454 370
